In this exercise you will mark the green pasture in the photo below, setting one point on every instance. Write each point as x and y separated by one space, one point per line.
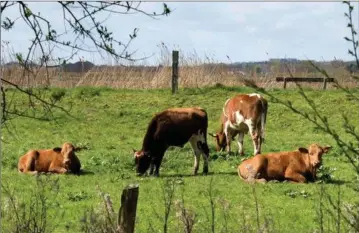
111 122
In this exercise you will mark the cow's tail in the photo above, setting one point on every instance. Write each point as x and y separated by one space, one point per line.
224 108
263 117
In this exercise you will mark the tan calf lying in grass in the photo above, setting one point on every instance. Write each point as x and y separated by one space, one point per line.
57 160
295 166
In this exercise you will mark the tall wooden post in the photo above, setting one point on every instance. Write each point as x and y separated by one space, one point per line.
174 71
127 213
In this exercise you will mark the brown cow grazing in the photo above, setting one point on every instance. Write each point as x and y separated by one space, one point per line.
57 160
295 166
242 114
173 127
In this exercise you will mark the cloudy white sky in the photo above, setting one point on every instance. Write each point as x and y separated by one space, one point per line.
244 31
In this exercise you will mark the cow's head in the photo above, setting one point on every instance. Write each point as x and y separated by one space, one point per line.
142 161
315 153
69 156
220 139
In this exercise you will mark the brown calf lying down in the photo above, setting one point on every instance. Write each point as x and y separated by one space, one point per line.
295 166
57 160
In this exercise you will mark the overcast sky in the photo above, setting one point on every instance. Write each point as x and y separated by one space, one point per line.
244 31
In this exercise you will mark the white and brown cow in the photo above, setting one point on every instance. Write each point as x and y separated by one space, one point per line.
242 114
173 127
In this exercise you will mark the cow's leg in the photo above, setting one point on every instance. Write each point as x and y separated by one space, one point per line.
254 135
205 155
294 177
157 164
200 146
59 170
197 153
260 138
29 164
240 143
152 168
56 169
228 135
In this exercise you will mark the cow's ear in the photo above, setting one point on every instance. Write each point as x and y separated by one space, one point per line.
212 134
57 149
326 148
303 150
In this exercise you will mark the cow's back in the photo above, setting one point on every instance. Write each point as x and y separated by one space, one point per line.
249 106
38 160
176 125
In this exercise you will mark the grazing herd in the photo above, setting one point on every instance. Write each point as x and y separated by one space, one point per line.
242 114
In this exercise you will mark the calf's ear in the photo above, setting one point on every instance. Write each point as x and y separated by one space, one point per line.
303 150
326 148
57 149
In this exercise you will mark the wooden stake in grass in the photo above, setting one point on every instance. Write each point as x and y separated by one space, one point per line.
127 212
174 71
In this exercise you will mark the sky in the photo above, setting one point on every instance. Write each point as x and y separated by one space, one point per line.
223 31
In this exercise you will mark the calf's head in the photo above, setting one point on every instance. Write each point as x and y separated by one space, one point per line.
220 140
69 157
315 153
142 161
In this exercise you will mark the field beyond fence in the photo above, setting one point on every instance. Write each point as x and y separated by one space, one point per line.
193 72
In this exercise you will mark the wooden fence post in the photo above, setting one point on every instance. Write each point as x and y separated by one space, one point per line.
174 71
324 83
285 83
127 213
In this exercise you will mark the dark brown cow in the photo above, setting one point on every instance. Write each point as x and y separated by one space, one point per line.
173 127
242 113
296 166
57 160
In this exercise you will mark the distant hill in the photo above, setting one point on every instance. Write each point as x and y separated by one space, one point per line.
68 67
277 64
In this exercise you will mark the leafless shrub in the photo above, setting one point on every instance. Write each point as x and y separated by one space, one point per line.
100 219
186 216
32 214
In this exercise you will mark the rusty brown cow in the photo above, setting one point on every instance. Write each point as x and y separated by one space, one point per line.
173 127
295 166
242 114
57 160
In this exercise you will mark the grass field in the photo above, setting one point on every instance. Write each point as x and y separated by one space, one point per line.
112 122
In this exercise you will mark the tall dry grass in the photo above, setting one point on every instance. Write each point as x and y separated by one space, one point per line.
194 71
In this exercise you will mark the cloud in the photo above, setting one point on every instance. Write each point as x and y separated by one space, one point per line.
242 30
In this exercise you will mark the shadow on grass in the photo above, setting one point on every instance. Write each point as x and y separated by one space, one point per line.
199 174
85 172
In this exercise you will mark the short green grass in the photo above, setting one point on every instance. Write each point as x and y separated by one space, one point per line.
112 122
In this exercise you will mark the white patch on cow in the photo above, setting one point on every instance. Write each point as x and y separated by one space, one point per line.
239 118
249 123
255 94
